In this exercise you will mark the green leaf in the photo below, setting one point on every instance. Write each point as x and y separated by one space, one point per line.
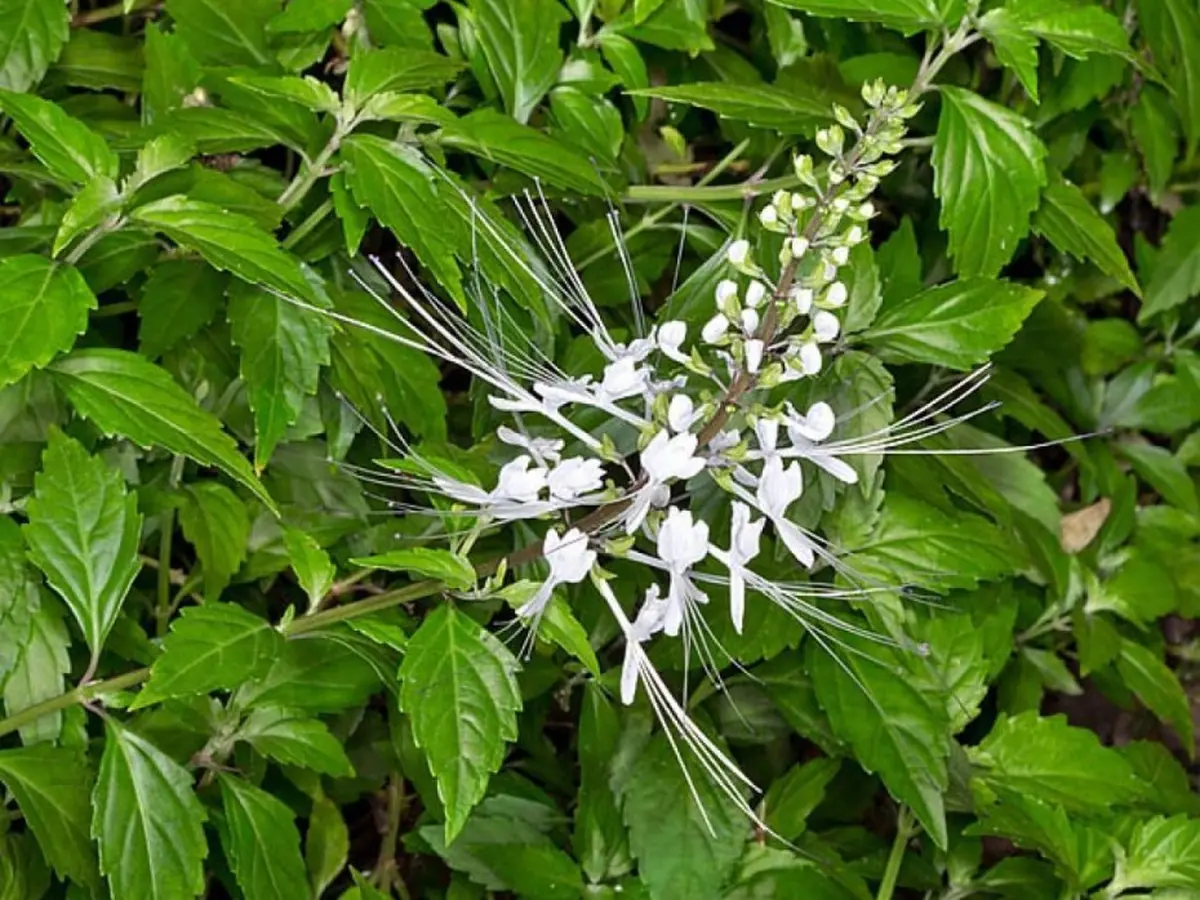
326 845
262 844
313 568
33 36
785 111
147 821
18 596
397 69
1155 128
1176 275
499 138
229 241
46 305
39 673
1161 853
624 58
1172 30
519 39
171 73
283 348
1158 688
1051 760
301 16
557 622
98 60
958 325
395 183
224 34
599 839
99 200
216 523
179 298
83 533
424 562
458 686
908 16
1163 472
295 739
304 91
217 646
53 787
67 147
159 155
894 728
989 173
1068 221
124 393
795 794
316 673
1015 45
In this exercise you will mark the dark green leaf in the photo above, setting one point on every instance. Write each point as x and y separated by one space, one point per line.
326 845
46 305
1156 130
425 562
98 60
1164 473
1176 276
907 16
1172 30
1071 224
261 842
519 39
1158 688
795 794
179 298
296 739
223 34
315 674
215 522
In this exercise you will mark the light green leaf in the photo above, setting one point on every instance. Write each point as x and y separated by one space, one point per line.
795 794
959 324
217 646
34 34
179 298
458 686
159 155
302 90
126 394
262 844
1015 45
53 787
18 596
1163 472
67 147
99 200
83 533
556 623
301 16
1161 853
295 739
216 523
519 39
397 69
147 821
313 568
326 845
908 16
989 174
1158 688
1068 221
424 562
624 58
39 672
171 73
225 34
100 61
1172 29
283 348
785 111
1176 275
45 306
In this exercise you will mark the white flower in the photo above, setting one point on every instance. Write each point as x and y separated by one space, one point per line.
767 433
836 295
726 291
570 560
715 329
803 298
769 216
825 326
841 255
810 358
549 449
754 355
855 234
755 293
749 320
670 336
518 482
738 252
574 477
623 378
648 623
680 413
867 210
816 425
744 538
798 246
665 458
778 488
681 544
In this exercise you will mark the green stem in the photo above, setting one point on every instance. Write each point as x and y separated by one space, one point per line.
313 171
90 239
301 231
162 610
659 193
80 694
905 829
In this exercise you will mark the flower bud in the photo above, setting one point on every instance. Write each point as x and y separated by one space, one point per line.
803 298
739 252
854 235
726 289
867 210
836 295
755 293
825 326
754 354
714 329
769 217
749 321
810 358
841 255
798 246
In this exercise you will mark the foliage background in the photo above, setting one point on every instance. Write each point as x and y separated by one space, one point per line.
172 433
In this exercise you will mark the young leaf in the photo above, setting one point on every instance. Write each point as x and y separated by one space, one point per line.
397 69
1161 853
34 34
39 673
67 147
301 16
958 325
908 16
147 821
217 646
457 685
794 795
215 522
313 568
46 305
295 739
123 393
83 533
1172 30
1068 221
424 562
53 787
261 841
1158 688
785 111
519 39
99 200
1176 276
989 174
326 845
304 91
283 348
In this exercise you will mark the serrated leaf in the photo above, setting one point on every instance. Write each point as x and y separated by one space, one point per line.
301 16
1172 30
159 155
302 90
124 393
216 523
53 787
224 34
1161 853
989 173
261 841
908 16
18 596
46 305
98 60
295 739
958 325
316 674
282 347
1165 473
1015 46
217 646
326 845
397 69
179 298
785 111
83 533
40 672
33 36
1068 221
147 821
557 623
520 40
425 562
1176 275
458 686
67 147
99 200
313 568
1158 688
795 794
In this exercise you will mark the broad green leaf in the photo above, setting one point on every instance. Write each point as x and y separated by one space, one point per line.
1176 275
908 16
557 623
1161 853
217 646
1076 29
314 570
989 174
53 787
1158 688
179 298
395 183
67 147
1051 760
100 61
497 137
785 111
229 241
397 69
305 91
1172 30
295 739
261 841
45 306
216 523
214 129
147 821
326 845
158 156
520 40
283 347
34 33
769 872
795 794
316 673
225 34
301 16
624 58
99 200
39 673
687 836
83 533
458 686
171 73
894 728
18 596
1015 46
958 325
23 872
593 124
125 394
424 562
1069 221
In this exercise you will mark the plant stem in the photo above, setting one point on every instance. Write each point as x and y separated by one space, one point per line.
905 829
301 231
162 610
658 193
81 694
311 172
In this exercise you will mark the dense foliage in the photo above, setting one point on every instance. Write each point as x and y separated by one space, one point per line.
238 660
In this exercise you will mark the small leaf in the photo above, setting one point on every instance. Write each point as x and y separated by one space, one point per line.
215 522
1163 472
99 200
46 305
785 111
179 298
458 687
397 69
326 845
520 40
425 562
27 49
1176 276
159 155
313 568
39 673
262 844
1155 128
295 739
67 147
1172 31
794 795
1161 853
217 646
908 16
1068 221
147 821
1158 688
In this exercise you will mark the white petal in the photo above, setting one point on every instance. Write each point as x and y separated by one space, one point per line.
754 355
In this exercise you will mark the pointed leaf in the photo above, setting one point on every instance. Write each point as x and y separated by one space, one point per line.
1161 853
67 147
1176 276
424 562
216 523
45 306
314 570
1158 688
39 673
326 845
179 298
785 111
296 739
262 843
1068 221
908 16
33 36
520 40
